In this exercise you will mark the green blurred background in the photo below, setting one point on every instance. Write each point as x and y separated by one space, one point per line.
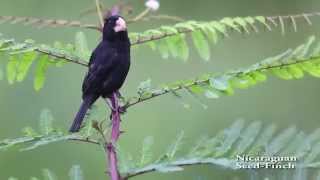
284 103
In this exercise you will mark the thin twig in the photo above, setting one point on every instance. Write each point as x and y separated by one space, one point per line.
141 15
99 12
158 17
85 140
61 56
40 23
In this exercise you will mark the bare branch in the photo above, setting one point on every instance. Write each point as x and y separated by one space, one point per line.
40 23
158 17
99 12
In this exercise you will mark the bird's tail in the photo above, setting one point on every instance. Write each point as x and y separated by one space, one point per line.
86 103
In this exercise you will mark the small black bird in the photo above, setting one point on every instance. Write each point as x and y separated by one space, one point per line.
108 67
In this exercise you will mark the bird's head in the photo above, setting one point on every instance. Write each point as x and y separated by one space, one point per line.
115 28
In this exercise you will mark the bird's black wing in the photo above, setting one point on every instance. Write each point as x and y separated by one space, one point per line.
102 61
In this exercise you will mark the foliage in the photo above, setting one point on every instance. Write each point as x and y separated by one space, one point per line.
222 149
168 40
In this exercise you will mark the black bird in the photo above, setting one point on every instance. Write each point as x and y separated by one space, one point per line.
108 67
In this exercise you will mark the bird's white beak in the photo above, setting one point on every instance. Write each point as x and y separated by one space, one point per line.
120 25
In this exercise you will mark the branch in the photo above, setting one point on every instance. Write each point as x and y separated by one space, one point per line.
115 133
140 16
40 23
85 140
158 17
100 16
72 59
178 165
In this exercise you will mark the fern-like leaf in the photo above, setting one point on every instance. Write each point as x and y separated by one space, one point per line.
289 65
233 140
171 40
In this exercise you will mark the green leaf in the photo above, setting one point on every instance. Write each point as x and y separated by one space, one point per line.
220 27
144 87
248 137
146 154
211 94
12 178
29 132
180 46
172 45
40 74
304 54
126 162
230 136
185 25
282 73
295 144
243 23
231 23
81 45
1 73
313 154
12 142
48 140
14 47
48 175
166 169
295 71
220 82
211 32
241 82
201 44
263 140
169 29
24 65
163 49
75 173
45 123
311 69
12 69
262 20
175 147
258 76
281 141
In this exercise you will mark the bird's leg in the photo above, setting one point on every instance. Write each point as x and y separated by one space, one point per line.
119 95
109 103
122 100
